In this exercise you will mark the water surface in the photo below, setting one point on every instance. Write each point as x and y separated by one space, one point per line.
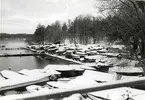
19 63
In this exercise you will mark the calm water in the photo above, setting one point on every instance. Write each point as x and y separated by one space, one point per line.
19 63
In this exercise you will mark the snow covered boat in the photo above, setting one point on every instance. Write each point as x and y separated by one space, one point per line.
112 54
60 50
37 74
76 82
102 51
56 84
80 53
80 81
64 80
10 74
36 88
52 50
93 58
79 70
2 77
95 47
27 77
123 93
68 54
65 70
75 57
129 71
98 76
89 66
92 52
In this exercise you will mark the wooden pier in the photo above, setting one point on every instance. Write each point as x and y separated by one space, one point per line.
62 59
16 55
20 48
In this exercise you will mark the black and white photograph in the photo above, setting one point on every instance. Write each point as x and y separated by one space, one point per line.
72 49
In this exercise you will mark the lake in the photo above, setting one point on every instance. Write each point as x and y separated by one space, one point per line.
19 63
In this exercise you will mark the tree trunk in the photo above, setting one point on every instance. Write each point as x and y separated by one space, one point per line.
143 49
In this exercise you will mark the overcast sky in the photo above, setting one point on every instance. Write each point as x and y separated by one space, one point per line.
22 16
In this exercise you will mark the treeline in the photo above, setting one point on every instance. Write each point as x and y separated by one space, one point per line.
83 29
13 36
124 21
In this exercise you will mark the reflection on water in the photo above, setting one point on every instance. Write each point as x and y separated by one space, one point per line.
18 63
13 43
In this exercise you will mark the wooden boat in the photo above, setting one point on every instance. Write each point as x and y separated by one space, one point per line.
93 52
112 54
99 65
99 58
52 46
33 50
123 93
76 82
98 76
80 53
75 57
27 77
38 74
126 62
105 63
80 81
118 46
68 54
124 77
103 67
33 88
56 84
36 88
14 82
95 47
129 71
89 66
93 58
78 69
65 70
2 77
64 80
60 51
75 97
39 89
11 92
52 50
102 51
10 74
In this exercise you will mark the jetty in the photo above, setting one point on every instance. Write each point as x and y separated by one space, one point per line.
62 59
20 48
16 55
